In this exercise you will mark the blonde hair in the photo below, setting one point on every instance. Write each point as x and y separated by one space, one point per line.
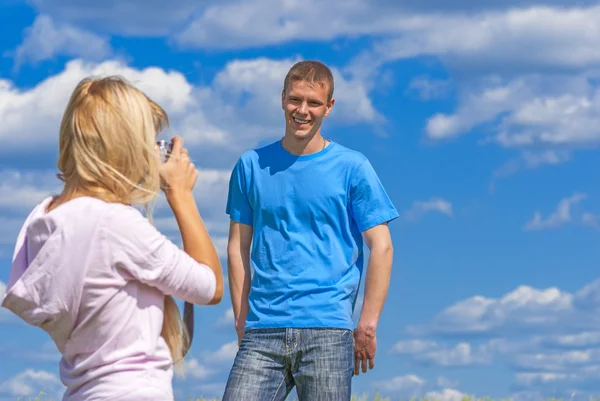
107 150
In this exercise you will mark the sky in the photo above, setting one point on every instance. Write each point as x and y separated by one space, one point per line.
481 118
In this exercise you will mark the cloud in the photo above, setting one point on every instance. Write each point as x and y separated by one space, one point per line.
529 379
5 315
239 109
429 352
549 339
445 382
583 339
498 40
561 216
232 24
193 368
231 20
434 204
532 159
31 382
429 89
543 103
409 384
224 355
480 38
544 116
48 99
590 220
525 307
46 39
556 361
122 17
226 320
446 394
22 190
198 367
47 352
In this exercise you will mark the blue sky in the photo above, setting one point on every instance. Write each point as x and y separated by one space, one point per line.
481 119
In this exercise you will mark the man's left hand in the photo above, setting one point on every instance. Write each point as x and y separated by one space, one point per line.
365 346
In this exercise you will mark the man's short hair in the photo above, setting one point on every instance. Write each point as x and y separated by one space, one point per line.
310 71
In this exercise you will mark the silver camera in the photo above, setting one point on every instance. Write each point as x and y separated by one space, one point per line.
165 148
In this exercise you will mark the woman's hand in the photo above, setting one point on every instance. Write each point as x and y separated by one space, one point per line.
178 175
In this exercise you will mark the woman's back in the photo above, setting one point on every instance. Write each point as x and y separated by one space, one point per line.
94 276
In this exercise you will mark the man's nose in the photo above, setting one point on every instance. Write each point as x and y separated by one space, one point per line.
303 108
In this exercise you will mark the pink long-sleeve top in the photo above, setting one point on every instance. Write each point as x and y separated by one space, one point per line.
94 276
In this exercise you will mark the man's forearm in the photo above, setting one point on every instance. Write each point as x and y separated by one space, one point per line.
239 287
376 286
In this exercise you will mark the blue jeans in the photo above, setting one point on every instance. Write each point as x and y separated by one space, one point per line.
271 362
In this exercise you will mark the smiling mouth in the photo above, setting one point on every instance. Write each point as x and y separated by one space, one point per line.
299 121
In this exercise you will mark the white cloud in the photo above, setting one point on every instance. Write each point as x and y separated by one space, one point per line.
198 368
561 216
546 117
262 79
210 193
233 24
445 382
554 361
414 346
530 159
240 108
409 384
429 89
192 368
446 394
462 354
543 378
9 230
523 307
591 220
489 40
31 382
47 100
5 315
224 355
546 337
231 20
484 38
122 17
583 339
434 204
22 190
46 39
226 320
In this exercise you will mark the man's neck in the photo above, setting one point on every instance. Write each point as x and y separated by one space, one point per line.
306 146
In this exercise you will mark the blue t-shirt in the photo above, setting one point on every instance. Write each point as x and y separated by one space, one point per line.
307 214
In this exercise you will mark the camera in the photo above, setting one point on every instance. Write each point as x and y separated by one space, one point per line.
165 148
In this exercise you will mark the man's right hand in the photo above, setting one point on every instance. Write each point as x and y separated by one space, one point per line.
240 335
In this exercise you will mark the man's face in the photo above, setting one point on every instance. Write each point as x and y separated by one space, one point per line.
305 106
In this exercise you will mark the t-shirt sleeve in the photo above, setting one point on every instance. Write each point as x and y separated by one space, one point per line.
140 252
238 203
369 203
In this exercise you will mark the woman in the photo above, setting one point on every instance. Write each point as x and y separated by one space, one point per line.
92 271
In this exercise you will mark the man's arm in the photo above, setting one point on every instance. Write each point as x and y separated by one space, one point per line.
238 253
377 282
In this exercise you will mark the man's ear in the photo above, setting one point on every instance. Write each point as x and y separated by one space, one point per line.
329 106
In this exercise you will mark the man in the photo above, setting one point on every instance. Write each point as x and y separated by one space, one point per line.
300 209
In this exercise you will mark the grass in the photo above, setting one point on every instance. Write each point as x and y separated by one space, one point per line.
364 397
